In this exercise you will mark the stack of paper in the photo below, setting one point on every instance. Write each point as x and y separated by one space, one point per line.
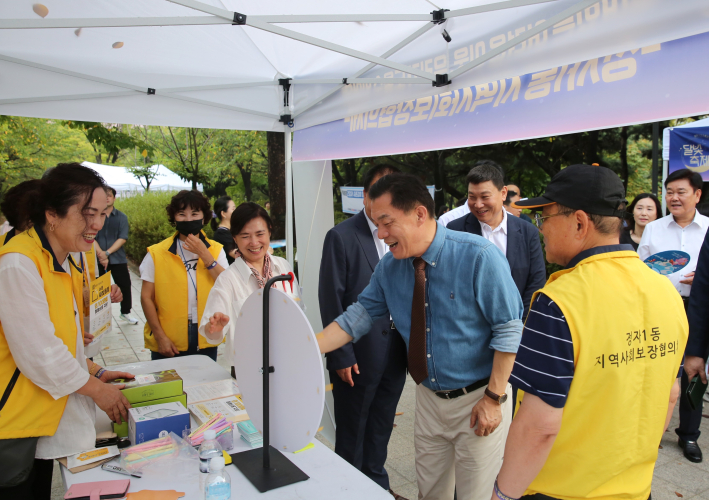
231 407
249 434
211 390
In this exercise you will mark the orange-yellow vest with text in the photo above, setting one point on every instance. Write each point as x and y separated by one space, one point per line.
171 282
31 411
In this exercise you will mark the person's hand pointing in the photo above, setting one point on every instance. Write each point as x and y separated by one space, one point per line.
216 324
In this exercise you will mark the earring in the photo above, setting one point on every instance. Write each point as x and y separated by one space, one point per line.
51 226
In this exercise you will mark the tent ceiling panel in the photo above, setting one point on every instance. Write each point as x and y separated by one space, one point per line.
145 110
221 54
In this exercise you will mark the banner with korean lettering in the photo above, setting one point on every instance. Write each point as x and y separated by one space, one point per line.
639 86
689 148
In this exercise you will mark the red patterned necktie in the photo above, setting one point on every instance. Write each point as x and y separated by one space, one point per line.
418 368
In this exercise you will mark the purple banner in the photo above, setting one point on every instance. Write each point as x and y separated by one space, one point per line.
689 148
649 84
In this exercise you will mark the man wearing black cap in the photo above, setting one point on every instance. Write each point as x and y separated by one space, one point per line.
595 368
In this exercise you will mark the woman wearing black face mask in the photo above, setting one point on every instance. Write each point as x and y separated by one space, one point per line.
177 272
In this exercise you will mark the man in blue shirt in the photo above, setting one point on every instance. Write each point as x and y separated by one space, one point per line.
461 325
112 256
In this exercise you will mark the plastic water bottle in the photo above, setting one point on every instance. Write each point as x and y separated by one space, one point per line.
210 448
218 486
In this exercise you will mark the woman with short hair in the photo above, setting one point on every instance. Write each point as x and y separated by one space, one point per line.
178 274
49 388
251 228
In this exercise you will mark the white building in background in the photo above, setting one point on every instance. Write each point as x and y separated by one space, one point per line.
126 184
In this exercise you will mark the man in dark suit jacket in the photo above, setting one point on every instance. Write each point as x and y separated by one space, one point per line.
367 377
517 239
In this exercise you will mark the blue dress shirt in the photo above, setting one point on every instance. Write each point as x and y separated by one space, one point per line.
473 307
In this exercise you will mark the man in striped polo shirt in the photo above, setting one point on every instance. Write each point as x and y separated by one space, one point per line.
598 363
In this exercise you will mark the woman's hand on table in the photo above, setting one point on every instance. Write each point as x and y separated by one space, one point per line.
116 294
108 376
108 397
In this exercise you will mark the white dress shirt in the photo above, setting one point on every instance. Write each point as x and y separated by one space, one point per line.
454 214
230 291
43 357
498 236
382 247
665 234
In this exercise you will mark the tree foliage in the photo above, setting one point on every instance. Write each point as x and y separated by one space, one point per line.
110 139
28 146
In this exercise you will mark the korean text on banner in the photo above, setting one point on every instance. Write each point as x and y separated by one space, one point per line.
689 148
100 307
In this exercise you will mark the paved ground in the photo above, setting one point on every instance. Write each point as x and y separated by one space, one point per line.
674 478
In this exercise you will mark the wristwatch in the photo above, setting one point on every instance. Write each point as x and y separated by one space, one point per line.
107 253
499 399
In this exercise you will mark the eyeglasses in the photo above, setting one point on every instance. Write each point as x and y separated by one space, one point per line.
539 220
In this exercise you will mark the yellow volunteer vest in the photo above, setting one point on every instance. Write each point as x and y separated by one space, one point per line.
629 331
171 293
90 263
4 238
29 410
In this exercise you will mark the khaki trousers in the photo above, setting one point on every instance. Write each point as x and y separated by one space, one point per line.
449 456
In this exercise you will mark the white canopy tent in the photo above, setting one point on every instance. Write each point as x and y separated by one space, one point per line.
127 184
269 65
289 65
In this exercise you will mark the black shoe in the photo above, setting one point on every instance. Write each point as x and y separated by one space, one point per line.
691 450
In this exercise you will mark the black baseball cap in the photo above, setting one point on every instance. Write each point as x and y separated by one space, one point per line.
591 188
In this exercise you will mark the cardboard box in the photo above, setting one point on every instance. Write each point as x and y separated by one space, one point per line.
151 386
154 421
122 429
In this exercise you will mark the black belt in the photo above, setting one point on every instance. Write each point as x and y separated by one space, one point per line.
456 393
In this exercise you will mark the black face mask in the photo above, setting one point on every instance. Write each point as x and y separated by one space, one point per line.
187 227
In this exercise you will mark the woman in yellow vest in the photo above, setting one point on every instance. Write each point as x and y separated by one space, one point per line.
10 207
178 274
47 386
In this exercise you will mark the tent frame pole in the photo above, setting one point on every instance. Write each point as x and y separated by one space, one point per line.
665 173
415 35
289 198
226 17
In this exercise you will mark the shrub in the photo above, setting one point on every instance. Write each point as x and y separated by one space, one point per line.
147 219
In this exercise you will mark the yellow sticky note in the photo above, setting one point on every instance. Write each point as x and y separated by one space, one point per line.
311 445
227 457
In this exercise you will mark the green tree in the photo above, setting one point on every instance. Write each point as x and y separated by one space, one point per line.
110 139
184 150
242 151
28 146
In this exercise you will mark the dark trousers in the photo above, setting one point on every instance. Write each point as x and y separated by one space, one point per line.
365 418
192 346
38 486
689 419
122 278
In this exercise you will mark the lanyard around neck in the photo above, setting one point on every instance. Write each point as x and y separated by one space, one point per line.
184 260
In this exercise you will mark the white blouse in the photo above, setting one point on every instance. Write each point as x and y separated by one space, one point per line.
43 358
230 291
